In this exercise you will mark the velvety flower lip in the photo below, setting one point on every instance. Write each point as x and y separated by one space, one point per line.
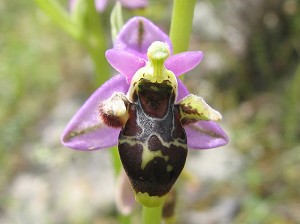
86 131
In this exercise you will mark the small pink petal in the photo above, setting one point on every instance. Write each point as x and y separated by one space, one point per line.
132 4
205 135
72 4
86 131
137 35
183 62
100 5
125 63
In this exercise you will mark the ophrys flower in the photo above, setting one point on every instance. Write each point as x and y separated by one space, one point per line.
147 111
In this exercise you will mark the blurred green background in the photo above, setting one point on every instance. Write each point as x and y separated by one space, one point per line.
250 73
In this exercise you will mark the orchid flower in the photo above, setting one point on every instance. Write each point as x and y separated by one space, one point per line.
147 111
101 4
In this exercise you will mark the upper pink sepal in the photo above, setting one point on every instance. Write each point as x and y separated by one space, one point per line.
138 34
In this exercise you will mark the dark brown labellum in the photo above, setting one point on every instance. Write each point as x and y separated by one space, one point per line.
152 144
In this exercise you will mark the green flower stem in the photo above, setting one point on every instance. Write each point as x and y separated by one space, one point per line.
181 25
86 27
124 219
95 42
116 160
116 20
59 16
152 215
291 114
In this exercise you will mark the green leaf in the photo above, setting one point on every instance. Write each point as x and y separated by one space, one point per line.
59 16
116 20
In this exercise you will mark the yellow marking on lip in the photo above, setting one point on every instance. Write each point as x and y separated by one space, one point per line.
169 168
149 155
155 88
175 142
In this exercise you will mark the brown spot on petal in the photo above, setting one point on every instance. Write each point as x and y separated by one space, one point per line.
188 109
141 31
